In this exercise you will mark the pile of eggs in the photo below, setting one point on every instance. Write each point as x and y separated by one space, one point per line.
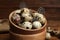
27 19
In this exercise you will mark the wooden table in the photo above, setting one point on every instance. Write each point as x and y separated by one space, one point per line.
52 12
54 24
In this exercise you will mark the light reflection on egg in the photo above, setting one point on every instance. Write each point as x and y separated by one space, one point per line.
37 25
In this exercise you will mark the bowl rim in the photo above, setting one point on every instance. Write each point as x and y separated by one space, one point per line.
24 28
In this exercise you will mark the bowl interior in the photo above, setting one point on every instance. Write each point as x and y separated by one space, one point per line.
10 19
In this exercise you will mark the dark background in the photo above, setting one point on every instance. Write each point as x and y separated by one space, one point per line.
52 7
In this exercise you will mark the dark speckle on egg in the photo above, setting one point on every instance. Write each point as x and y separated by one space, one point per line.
20 12
27 27
52 33
34 19
22 19
42 23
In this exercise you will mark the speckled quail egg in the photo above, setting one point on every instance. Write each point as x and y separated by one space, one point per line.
35 14
26 10
27 25
37 24
48 36
27 17
49 29
41 18
40 15
16 17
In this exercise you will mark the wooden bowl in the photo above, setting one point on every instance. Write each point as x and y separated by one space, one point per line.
18 33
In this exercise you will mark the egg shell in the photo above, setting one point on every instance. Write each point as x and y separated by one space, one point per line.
35 14
16 17
27 25
37 24
41 18
40 15
26 10
27 17
48 36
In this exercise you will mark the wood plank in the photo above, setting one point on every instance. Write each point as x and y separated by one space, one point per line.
52 7
37 3
51 13
4 36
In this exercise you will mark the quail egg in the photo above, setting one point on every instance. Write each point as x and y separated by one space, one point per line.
35 14
48 36
27 17
41 18
16 17
37 24
26 10
27 25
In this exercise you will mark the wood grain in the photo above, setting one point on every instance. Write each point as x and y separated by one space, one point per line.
4 36
52 7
